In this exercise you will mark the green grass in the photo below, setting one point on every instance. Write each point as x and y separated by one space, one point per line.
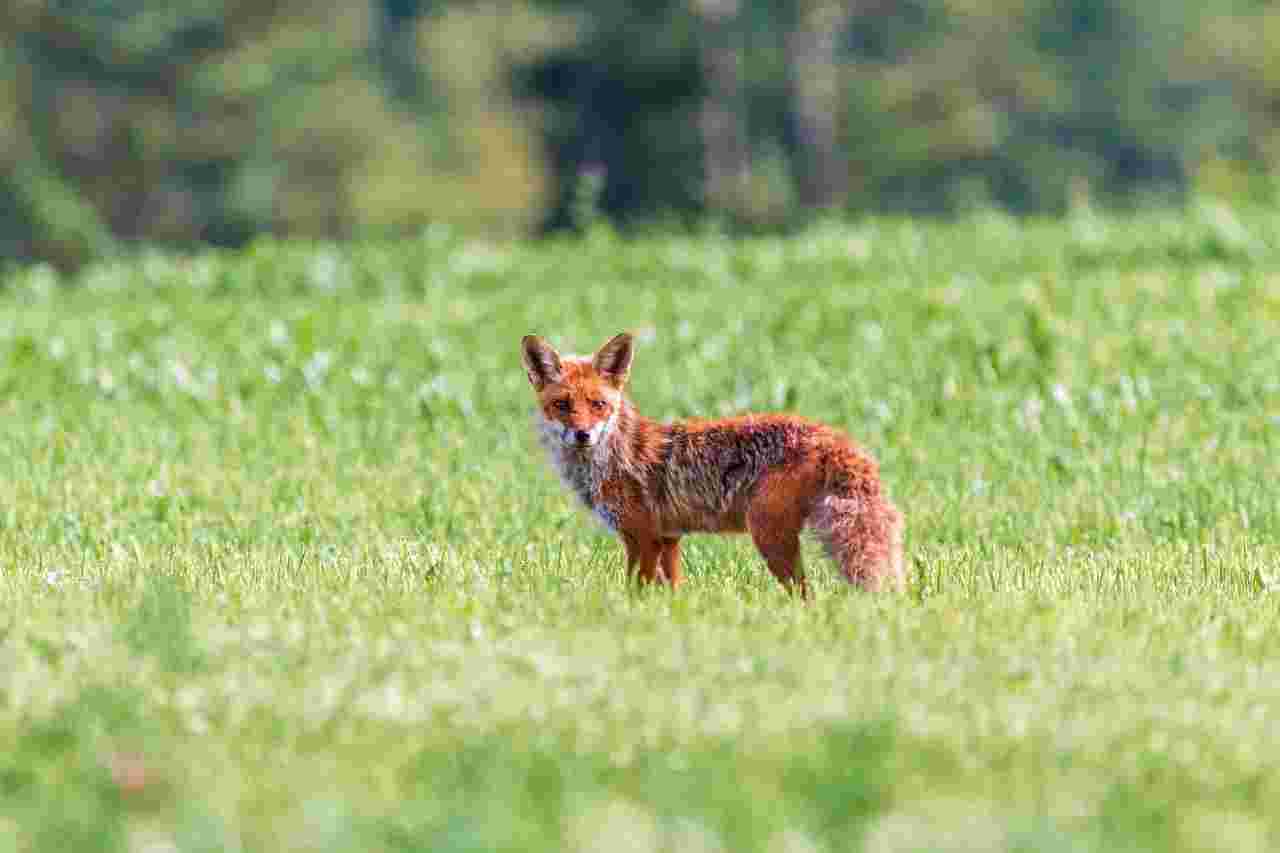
283 569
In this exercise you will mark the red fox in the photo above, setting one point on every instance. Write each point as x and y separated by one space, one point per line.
767 475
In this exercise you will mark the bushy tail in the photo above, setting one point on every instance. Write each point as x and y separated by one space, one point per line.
863 534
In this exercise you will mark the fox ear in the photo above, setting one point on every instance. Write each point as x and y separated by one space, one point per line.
613 360
541 361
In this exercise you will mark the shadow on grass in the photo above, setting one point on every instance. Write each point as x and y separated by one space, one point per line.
160 626
497 794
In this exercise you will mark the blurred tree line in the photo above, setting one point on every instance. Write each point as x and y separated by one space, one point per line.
213 120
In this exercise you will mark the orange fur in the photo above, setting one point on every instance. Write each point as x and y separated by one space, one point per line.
767 475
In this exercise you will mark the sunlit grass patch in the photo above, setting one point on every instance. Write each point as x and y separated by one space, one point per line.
283 567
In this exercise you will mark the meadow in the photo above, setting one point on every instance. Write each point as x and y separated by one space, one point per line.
283 568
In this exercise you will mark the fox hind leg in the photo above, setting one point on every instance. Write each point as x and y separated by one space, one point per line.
782 556
774 520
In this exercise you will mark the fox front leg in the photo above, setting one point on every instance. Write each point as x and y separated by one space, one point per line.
643 554
669 561
633 555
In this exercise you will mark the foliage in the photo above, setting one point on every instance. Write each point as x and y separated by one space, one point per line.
282 567
216 120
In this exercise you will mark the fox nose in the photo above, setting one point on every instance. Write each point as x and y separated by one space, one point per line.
582 436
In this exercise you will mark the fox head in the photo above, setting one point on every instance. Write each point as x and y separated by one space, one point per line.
578 398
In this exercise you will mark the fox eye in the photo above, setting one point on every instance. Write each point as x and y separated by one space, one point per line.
598 405
563 405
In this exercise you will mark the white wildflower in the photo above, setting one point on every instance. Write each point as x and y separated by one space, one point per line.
1032 408
325 269
872 333
182 376
278 334
1128 399
1097 400
317 367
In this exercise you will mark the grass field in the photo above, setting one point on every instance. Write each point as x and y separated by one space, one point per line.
282 567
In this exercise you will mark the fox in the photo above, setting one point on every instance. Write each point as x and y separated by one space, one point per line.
771 476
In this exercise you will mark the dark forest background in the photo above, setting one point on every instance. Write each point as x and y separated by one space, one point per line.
188 121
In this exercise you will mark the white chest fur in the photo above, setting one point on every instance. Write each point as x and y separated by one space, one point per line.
582 471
